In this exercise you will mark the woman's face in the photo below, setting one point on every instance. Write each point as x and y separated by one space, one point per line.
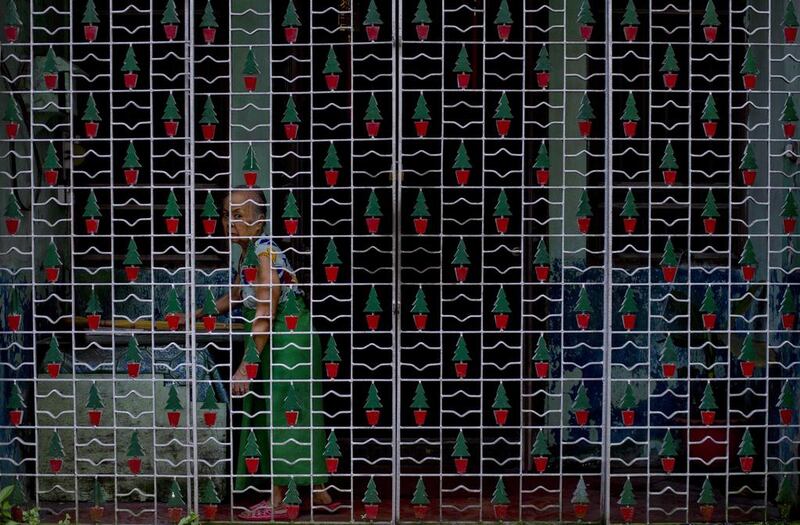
240 218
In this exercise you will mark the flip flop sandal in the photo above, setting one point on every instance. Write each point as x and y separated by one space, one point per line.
264 513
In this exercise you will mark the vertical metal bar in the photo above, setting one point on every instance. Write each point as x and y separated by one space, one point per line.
397 166
605 481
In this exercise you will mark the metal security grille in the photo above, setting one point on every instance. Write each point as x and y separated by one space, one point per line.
536 260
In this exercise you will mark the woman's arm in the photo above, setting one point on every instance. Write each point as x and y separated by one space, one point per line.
268 293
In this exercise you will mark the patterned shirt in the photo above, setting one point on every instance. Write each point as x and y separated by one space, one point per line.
280 263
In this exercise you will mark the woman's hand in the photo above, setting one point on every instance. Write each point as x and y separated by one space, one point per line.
240 383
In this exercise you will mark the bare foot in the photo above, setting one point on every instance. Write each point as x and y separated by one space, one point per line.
321 496
277 495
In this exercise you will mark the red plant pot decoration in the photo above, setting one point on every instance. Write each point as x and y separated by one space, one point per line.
788 321
51 177
462 79
249 273
629 224
709 320
170 31
209 34
291 322
790 34
746 463
331 465
175 514
420 321
92 225
290 34
131 176
210 418
173 320
461 273
707 512
789 129
586 31
710 33
749 177
462 176
251 369
373 32
94 417
134 369
53 369
12 33
710 128
290 225
749 81
293 511
135 465
13 321
629 128
209 512
93 321
290 130
51 274
585 128
501 224
129 79
12 225
628 321
56 464
748 272
208 130
250 178
542 176
90 32
669 273
670 80
250 82
332 81
786 415
627 513
291 417
90 129
51 80
331 370
132 273
421 127
669 177
11 129
422 31
668 369
628 417
747 367
503 31
668 464
542 272
630 32
96 513
580 509
542 369
708 416
209 226
371 511
540 463
419 416
461 464
174 418
171 127
582 417
710 225
583 320
461 370
502 125
209 322
372 224
583 224
543 79
420 225
501 321
373 416
15 416
373 128
331 273
500 511
420 511
372 321
172 223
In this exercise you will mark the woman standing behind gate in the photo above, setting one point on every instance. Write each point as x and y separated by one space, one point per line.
291 359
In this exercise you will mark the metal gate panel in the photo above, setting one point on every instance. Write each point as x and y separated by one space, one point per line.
546 251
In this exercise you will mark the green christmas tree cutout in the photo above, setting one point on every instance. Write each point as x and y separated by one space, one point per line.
789 111
332 161
541 256
133 354
209 303
581 399
131 158
710 206
669 354
708 402
710 109
94 401
91 210
709 305
11 17
173 305
209 115
90 112
373 17
503 16
542 352
210 210
373 112
629 305
170 15
461 354
748 256
175 499
251 355
420 206
290 18
171 111
420 304
500 496
371 493
13 210
292 496
332 352
628 400
132 257
626 497
290 401
710 17
584 206
785 497
542 60
668 161
669 447
669 258
501 208
746 446
93 306
707 491
749 65
12 113
580 495
461 258
787 303
420 400
129 64
135 449
373 401
209 399
98 495
501 305
14 306
540 445
373 205
460 449
331 254
670 62
208 20
585 16
786 398
630 18
790 15
748 161
50 63
250 64
631 113
420 496
585 110
56 449
583 305
208 494
503 110
53 354
173 400
250 162
421 110
332 449
51 257
421 15
172 210
629 207
501 401
462 61
51 161
462 161
290 115
332 65
542 161
290 209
